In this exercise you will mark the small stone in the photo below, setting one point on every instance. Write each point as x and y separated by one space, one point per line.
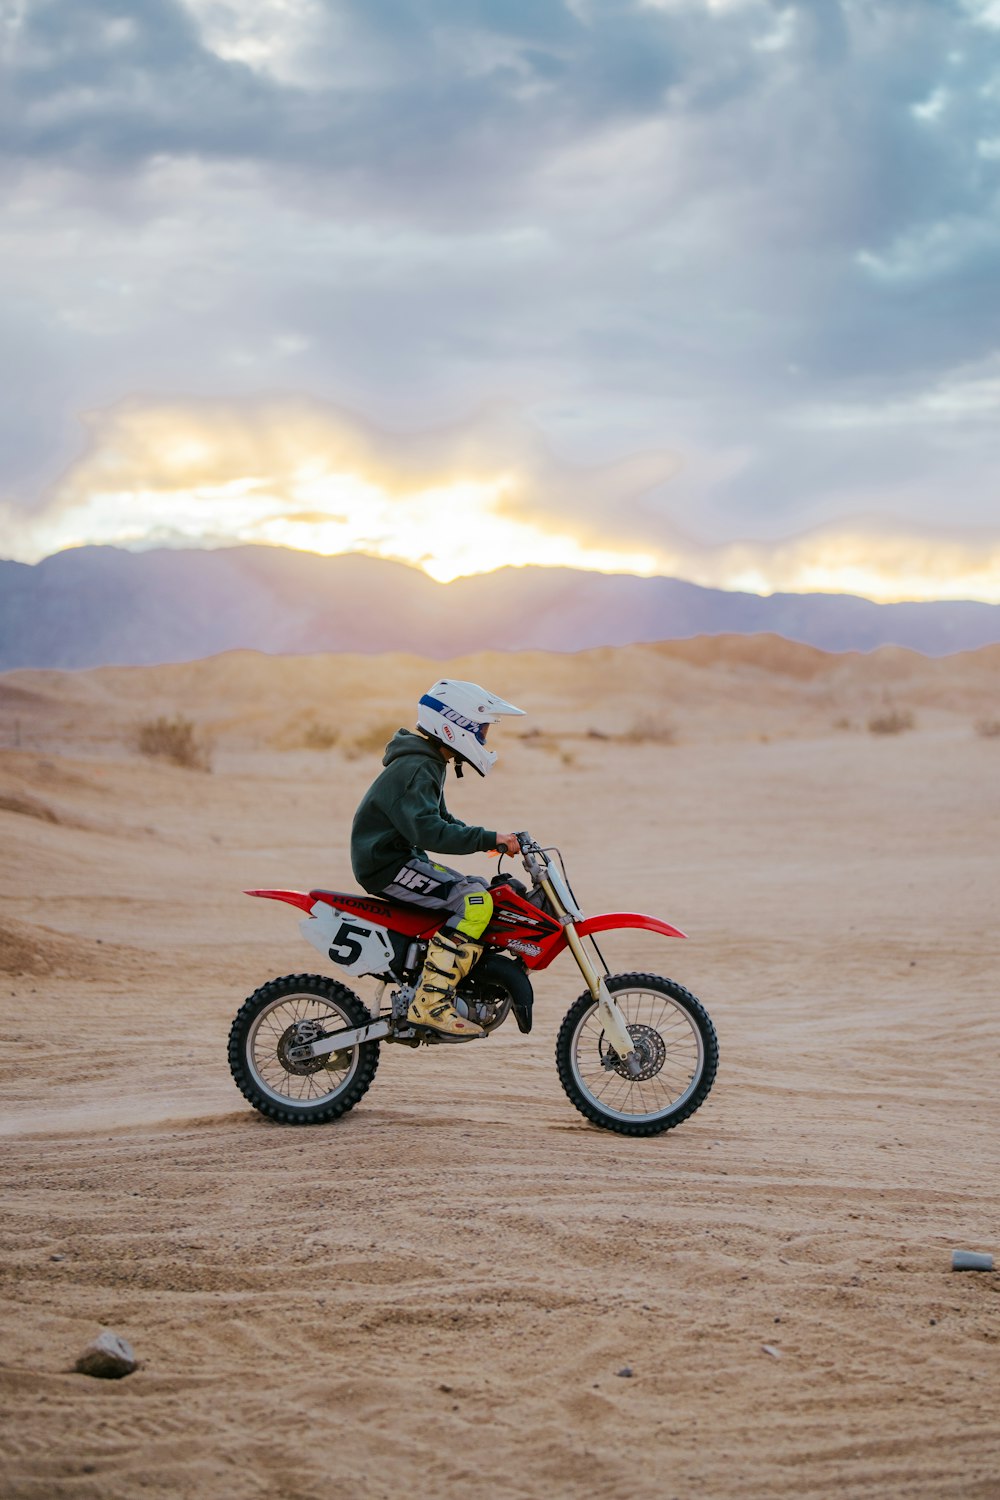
446 1388
57 1257
109 1357
771 1350
969 1260
625 1372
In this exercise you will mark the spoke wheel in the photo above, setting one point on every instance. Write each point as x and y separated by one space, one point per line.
677 1049
286 1013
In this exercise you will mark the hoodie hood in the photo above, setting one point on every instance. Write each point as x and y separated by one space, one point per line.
405 742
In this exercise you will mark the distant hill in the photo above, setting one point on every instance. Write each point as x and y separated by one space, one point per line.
95 606
705 689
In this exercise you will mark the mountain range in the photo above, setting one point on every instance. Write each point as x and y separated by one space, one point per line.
95 606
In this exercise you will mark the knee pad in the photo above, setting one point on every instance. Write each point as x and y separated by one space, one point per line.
475 918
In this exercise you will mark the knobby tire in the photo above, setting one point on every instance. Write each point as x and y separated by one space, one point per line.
638 1124
321 1111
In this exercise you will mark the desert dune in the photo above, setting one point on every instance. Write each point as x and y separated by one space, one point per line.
438 1296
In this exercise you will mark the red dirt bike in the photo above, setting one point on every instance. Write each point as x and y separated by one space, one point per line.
636 1053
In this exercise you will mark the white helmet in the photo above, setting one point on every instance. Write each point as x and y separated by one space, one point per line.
459 715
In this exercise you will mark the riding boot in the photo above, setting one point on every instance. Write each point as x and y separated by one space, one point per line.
449 958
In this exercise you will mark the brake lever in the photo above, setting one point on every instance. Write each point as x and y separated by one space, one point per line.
528 856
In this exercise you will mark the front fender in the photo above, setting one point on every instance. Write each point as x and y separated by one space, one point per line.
611 919
608 921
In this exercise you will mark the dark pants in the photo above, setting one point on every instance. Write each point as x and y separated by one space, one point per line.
466 897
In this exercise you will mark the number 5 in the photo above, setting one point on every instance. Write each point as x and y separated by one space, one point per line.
345 948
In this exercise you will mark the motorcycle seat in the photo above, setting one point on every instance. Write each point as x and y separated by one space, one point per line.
398 916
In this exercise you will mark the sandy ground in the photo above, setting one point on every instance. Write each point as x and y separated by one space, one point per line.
434 1296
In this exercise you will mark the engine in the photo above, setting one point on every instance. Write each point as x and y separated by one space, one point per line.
496 986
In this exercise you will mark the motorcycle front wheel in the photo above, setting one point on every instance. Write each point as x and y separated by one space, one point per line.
678 1055
286 1013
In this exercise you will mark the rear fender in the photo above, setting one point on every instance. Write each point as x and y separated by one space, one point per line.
301 899
610 921
405 922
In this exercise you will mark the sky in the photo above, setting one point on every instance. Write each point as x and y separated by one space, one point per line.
704 288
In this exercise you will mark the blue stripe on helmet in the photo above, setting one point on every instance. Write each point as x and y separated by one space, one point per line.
455 717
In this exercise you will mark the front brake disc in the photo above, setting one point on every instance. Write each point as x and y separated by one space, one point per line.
651 1050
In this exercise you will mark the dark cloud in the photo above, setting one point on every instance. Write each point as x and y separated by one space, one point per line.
102 85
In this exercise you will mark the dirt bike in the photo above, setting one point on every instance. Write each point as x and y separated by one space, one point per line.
636 1053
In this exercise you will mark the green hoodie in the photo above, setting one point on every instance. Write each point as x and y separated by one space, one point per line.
403 813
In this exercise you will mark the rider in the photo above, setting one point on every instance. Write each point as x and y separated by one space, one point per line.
403 813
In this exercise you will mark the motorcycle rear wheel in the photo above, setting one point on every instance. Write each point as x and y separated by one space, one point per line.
265 1025
678 1049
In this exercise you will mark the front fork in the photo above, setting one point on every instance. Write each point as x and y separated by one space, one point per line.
610 1015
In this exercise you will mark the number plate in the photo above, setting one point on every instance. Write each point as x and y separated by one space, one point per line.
351 944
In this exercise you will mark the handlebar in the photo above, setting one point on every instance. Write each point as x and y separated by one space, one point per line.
539 864
531 854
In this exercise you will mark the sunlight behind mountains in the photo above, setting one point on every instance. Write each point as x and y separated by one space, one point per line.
453 503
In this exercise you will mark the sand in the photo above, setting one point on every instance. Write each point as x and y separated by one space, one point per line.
434 1296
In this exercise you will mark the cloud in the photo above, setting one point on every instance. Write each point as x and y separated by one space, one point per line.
453 501
461 500
747 235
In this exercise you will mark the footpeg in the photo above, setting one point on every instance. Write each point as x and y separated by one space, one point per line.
429 1034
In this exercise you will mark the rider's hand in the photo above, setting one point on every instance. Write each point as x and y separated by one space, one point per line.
507 843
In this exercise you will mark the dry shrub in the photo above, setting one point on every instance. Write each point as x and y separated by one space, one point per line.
176 740
891 721
305 732
319 736
988 729
370 740
541 739
649 731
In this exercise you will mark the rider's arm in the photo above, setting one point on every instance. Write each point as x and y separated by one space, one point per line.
418 816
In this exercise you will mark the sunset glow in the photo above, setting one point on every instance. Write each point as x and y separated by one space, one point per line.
448 530
303 479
